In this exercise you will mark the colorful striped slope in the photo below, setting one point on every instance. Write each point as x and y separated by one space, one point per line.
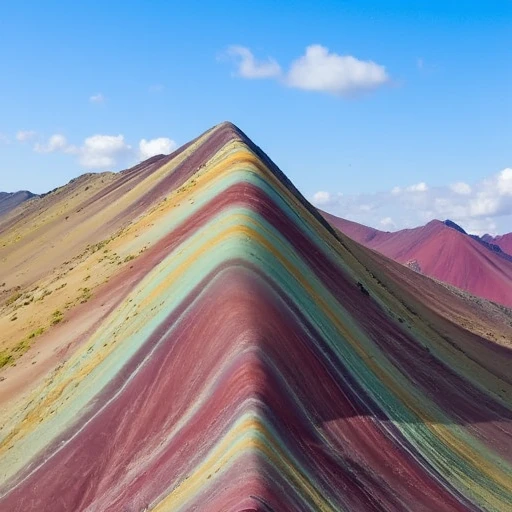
232 352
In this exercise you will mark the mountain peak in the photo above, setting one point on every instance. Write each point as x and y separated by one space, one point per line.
455 226
227 125
230 351
10 200
231 130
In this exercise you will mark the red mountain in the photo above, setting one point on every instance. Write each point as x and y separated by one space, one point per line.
442 252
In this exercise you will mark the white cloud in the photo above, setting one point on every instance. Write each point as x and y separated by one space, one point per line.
418 187
107 151
249 67
320 70
56 142
494 196
161 145
317 70
461 188
25 135
96 152
387 222
505 182
481 226
321 198
483 207
103 151
4 139
97 98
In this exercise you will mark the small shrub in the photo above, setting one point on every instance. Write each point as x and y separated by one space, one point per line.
5 358
22 346
13 298
35 333
45 294
85 296
57 317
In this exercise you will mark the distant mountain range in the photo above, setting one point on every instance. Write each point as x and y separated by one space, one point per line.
443 250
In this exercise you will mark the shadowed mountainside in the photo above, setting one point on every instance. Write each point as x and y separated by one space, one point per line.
504 242
209 342
9 200
443 251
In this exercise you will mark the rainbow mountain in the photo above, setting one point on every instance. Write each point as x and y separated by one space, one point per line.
191 334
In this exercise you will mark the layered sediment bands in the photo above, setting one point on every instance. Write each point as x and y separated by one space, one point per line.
247 369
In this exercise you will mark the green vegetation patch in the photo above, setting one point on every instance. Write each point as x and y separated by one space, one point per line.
9 356
13 298
85 295
57 317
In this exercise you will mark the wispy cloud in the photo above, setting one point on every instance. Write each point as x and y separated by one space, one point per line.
322 198
387 222
249 67
425 67
106 151
417 187
96 152
56 142
25 135
97 98
480 208
317 70
461 188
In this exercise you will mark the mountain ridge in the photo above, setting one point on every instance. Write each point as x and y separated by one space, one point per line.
10 200
250 357
484 240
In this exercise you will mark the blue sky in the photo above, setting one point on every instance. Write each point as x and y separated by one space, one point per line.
435 109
